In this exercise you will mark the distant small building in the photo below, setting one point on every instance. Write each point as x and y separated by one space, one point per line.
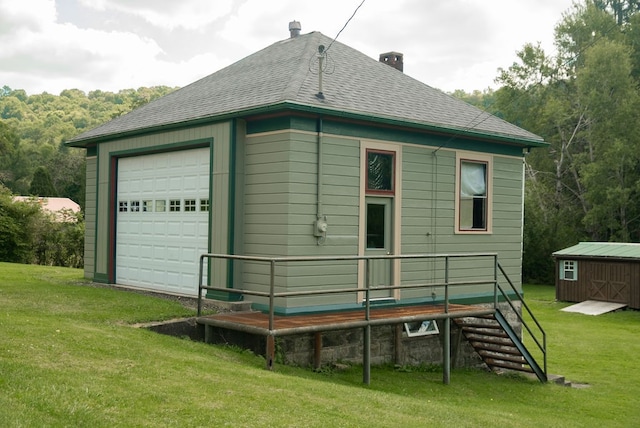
604 271
60 208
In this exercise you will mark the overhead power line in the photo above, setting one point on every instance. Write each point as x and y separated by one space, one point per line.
345 25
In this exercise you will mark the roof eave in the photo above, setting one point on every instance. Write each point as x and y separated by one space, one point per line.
289 105
440 129
594 257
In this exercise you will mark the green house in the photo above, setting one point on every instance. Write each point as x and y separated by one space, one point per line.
307 148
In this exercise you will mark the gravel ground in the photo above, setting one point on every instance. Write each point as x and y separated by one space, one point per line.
208 305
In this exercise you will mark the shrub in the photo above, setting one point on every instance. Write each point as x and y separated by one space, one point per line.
30 235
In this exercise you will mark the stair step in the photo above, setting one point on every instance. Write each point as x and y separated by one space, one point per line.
500 349
501 341
492 332
507 365
492 326
490 355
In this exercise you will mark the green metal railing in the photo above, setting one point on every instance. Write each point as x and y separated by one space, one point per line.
367 291
539 337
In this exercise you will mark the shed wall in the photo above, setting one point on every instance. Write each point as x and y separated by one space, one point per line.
600 279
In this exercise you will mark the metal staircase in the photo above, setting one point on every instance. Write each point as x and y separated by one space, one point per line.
499 345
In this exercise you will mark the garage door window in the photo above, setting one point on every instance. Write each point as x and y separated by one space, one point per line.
147 206
204 205
135 206
190 205
161 205
174 205
123 206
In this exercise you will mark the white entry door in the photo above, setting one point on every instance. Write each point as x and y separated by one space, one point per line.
162 223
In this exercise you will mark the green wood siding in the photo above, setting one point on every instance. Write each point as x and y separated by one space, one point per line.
428 220
90 217
280 208
220 134
280 194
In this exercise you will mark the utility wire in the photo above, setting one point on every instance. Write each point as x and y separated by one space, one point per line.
345 25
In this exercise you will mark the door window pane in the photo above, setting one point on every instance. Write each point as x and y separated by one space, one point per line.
375 226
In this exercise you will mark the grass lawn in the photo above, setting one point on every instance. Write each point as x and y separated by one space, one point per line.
69 357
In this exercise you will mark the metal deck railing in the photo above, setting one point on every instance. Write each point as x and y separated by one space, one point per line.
366 291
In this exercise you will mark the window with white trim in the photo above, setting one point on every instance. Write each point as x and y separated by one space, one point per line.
123 206
174 205
135 206
569 270
473 194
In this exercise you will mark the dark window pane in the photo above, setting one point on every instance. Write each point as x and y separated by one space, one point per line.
380 171
479 211
375 226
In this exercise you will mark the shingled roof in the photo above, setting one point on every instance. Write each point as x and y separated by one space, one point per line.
285 74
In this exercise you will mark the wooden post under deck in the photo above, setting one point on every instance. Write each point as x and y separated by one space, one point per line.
317 350
271 351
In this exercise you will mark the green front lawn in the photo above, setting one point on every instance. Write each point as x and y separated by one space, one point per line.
69 357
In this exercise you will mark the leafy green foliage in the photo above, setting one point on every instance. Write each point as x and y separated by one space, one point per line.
28 234
41 184
18 222
34 127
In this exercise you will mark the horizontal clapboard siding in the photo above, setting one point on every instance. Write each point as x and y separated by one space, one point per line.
90 217
428 220
281 202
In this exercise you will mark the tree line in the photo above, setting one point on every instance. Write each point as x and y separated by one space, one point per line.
35 162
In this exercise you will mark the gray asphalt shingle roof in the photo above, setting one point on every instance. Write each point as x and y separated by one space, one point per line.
286 72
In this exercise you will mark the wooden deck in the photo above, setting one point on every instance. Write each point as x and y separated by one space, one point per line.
258 322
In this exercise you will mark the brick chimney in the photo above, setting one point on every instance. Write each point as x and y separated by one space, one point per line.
294 28
394 59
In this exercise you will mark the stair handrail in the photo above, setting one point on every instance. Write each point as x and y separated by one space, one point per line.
542 346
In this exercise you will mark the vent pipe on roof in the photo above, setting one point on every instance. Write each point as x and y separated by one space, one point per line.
294 28
394 59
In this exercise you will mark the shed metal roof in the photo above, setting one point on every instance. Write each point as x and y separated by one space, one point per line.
286 74
602 249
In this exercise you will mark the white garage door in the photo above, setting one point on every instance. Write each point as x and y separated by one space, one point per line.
162 220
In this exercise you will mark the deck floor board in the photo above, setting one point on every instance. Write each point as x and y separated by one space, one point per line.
317 321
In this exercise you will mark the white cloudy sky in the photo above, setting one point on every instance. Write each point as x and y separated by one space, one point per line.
51 45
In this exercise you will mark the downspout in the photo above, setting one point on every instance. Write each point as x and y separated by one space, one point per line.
320 225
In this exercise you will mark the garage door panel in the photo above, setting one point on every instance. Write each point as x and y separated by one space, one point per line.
158 244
